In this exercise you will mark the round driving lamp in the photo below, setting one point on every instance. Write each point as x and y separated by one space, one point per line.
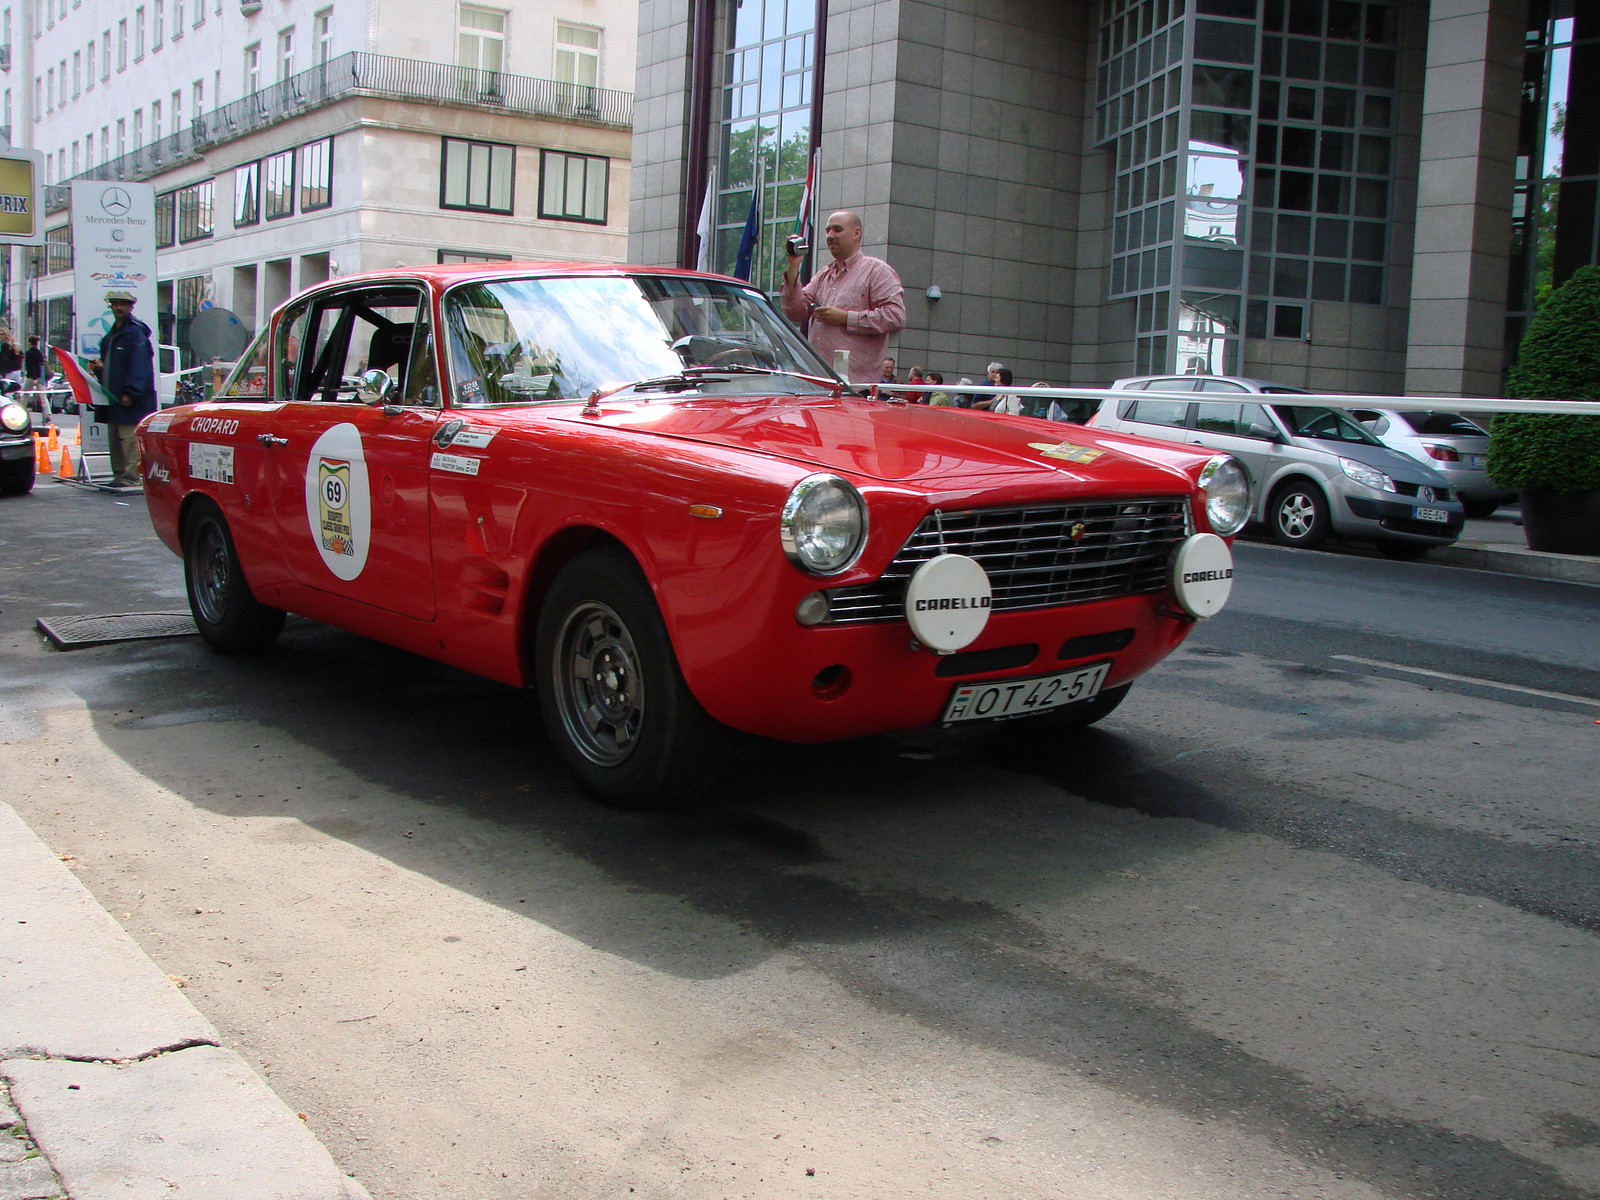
14 418
824 525
1227 491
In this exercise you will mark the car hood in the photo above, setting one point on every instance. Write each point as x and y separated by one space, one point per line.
1391 462
939 449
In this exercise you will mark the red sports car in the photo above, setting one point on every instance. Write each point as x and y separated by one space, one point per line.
643 494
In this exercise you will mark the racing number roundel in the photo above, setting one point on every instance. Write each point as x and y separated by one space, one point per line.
339 500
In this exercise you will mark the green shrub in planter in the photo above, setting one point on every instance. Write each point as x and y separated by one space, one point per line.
1559 360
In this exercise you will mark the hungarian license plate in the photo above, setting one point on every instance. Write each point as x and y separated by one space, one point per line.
1431 514
1020 697
1474 460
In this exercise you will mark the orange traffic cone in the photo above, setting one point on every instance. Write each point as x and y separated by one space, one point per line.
66 471
77 434
41 457
55 436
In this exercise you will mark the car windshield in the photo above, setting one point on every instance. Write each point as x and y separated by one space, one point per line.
542 340
1442 424
1323 424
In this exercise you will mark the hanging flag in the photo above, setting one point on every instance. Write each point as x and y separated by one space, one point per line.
802 219
752 231
86 388
707 229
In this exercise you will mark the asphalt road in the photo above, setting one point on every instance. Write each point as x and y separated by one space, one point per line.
1296 920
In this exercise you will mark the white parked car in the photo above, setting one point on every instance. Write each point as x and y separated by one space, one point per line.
1453 445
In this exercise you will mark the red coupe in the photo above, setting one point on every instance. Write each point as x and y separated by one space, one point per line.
643 494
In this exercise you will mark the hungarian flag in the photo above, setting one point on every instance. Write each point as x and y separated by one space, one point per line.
86 389
802 219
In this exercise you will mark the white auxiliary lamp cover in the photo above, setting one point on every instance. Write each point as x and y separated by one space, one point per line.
948 602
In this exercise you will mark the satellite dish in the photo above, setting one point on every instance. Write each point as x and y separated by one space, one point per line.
216 335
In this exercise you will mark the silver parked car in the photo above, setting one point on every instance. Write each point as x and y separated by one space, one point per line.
1313 470
1453 445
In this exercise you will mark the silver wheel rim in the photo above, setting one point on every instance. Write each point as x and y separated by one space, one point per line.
211 572
599 689
1296 515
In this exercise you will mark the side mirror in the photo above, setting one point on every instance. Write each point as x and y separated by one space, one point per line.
1265 433
375 388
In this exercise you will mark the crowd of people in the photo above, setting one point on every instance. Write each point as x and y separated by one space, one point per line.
998 375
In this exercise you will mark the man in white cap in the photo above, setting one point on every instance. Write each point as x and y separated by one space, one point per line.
127 369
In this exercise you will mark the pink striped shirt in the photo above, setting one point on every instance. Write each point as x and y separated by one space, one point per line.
870 293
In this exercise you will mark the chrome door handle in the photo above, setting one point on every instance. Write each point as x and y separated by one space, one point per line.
266 439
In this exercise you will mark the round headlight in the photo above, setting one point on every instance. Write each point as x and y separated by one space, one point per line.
14 417
824 525
1227 490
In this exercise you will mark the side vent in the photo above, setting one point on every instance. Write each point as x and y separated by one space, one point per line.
484 588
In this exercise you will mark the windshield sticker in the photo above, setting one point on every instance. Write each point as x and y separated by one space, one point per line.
1067 451
158 423
473 439
472 390
339 501
461 464
211 463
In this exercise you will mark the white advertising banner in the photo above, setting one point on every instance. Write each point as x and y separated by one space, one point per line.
113 246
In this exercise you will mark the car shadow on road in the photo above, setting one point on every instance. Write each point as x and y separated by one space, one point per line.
893 865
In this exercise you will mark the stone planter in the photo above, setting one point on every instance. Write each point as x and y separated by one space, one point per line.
1561 522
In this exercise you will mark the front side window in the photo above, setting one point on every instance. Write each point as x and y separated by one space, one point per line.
376 329
476 175
574 187
247 194
316 175
1323 424
249 378
1161 412
526 341
279 172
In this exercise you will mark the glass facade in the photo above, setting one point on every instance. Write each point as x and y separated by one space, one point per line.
1274 132
768 79
1555 216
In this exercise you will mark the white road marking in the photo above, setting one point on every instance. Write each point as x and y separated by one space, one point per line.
1489 683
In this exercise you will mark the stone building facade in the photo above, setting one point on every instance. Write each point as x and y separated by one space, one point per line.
1347 195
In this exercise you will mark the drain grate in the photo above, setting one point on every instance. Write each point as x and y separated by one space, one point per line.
74 633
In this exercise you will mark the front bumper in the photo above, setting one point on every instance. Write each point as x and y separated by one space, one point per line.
13 448
1396 519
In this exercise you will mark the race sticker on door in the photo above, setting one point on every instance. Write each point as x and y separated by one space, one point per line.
461 464
339 500
211 463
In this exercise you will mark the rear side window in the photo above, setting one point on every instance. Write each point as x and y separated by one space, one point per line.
1160 412
1441 424
1220 385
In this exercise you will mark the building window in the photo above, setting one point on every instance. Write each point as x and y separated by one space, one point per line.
58 249
177 19
75 169
316 175
158 25
50 89
122 44
105 56
279 178
155 120
88 75
247 194
285 53
165 210
470 256
577 54
252 69
323 23
88 152
122 136
199 90
482 40
476 175
196 211
138 33
768 73
138 128
77 74
573 187
38 98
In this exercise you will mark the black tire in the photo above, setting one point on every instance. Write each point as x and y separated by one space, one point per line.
225 611
17 479
1298 515
1480 508
613 699
1071 716
1402 551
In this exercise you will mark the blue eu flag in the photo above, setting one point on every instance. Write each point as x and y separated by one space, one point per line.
747 240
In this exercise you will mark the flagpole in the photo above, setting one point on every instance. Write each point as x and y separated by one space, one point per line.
761 214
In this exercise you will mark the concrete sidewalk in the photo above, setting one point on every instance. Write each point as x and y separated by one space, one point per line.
1496 543
117 1086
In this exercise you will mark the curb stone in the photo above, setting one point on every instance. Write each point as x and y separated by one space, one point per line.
116 1077
1518 560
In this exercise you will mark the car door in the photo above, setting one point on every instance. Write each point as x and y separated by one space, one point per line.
1242 429
351 482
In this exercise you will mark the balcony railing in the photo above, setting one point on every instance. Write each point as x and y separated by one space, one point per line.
361 74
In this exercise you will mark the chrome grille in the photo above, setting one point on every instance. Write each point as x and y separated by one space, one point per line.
1031 556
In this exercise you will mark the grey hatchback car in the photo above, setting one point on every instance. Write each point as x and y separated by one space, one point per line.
1314 471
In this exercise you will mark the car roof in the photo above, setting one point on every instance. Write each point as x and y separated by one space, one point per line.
1254 385
444 274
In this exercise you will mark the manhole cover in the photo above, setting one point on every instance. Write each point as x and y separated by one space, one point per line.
74 633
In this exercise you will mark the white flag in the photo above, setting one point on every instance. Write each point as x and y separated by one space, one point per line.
707 228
